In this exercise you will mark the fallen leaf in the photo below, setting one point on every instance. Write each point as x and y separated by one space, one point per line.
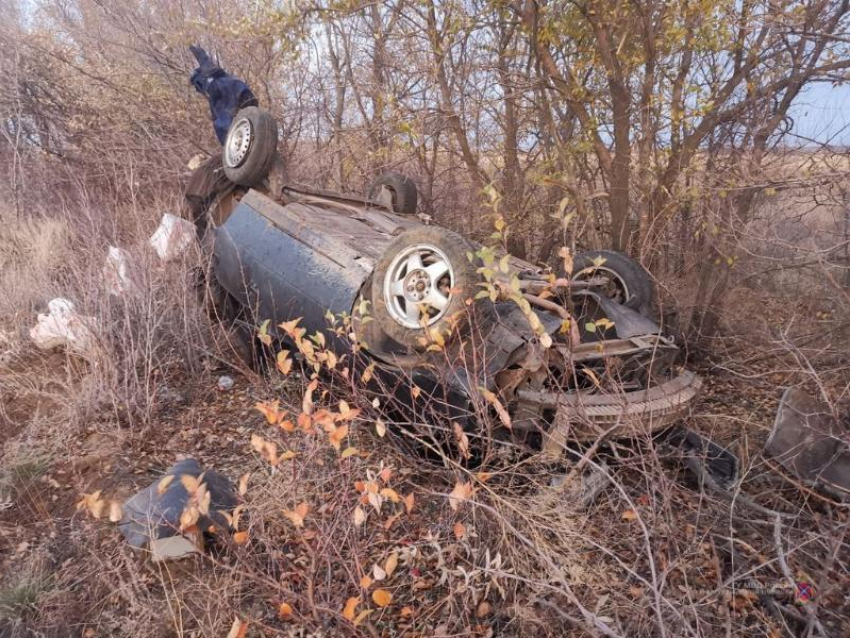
459 530
380 428
270 410
240 538
363 615
381 597
390 494
391 564
337 436
191 483
391 521
378 572
460 493
359 516
163 484
115 512
493 400
307 401
305 422
350 606
297 515
406 611
243 483
289 327
238 629
409 500
483 609
630 515
366 582
284 611
189 517
287 426
386 474
288 455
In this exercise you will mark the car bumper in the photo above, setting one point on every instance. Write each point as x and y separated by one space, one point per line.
588 417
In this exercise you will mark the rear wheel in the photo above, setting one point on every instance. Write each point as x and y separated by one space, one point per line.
628 283
250 147
424 281
402 191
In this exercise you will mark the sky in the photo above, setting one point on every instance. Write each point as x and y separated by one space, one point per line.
822 114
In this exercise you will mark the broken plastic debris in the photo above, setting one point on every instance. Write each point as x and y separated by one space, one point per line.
173 236
154 512
225 383
63 327
118 272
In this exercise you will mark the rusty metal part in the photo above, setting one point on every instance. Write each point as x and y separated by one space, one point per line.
584 417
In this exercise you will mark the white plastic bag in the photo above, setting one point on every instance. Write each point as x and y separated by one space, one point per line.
63 327
173 237
119 272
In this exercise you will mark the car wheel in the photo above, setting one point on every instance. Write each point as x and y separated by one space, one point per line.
424 280
401 188
628 283
250 147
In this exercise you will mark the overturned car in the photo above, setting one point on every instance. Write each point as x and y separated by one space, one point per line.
504 349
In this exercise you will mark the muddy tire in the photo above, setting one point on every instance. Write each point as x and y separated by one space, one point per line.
250 147
629 283
424 279
404 194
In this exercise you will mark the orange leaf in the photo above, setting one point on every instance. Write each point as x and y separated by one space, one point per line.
350 606
409 500
305 421
390 494
459 530
284 612
270 410
240 538
381 597
284 362
406 611
360 486
289 327
630 515
460 493
307 401
297 515
287 426
365 582
338 435
239 629
386 474
391 521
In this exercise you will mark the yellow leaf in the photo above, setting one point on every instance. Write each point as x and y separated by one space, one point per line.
493 400
240 538
409 500
391 564
349 451
288 455
350 606
190 483
284 611
381 597
359 516
289 327
189 517
365 582
164 483
363 615
243 483
263 335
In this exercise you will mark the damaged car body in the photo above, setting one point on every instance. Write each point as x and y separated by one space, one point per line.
551 359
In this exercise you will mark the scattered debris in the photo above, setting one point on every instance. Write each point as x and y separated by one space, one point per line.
163 509
224 383
63 327
173 236
811 443
118 272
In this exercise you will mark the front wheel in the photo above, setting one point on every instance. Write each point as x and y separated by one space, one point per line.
424 281
250 147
